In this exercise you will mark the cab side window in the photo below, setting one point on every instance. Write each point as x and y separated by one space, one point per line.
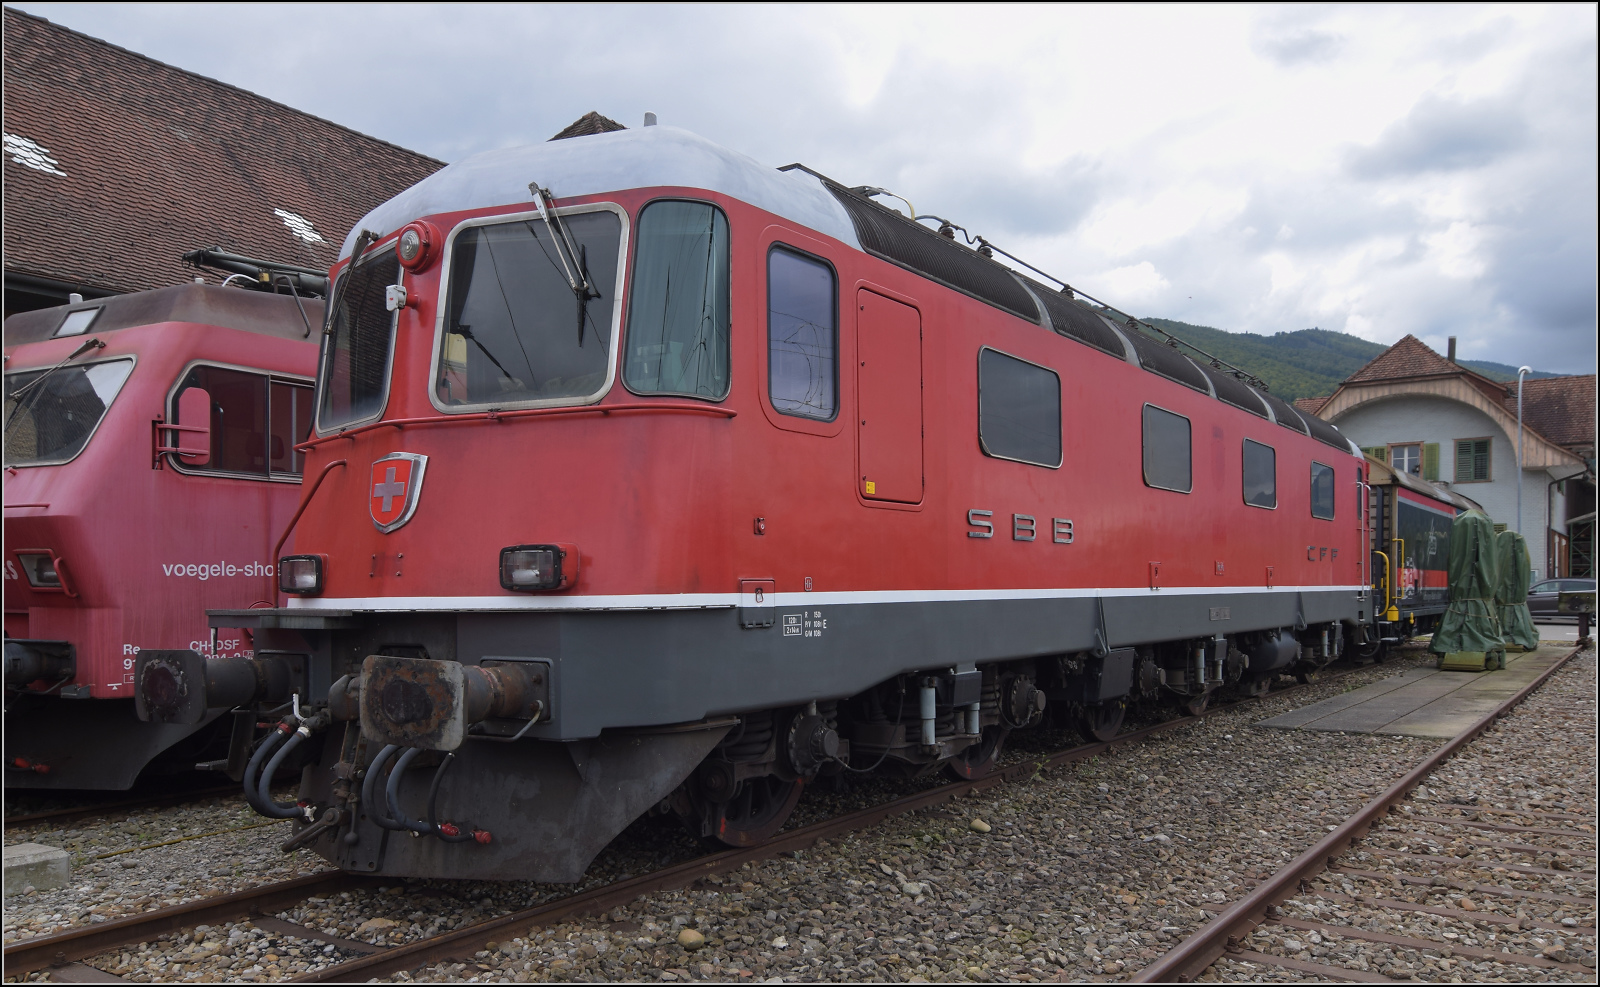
802 335
256 421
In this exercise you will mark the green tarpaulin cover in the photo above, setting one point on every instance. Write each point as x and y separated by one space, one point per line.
1511 589
1471 623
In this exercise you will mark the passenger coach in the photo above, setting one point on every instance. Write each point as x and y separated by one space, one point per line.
646 477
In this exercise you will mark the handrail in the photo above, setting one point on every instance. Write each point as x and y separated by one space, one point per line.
1388 600
495 416
10 506
304 503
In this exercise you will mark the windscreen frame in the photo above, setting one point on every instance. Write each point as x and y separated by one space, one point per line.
132 358
618 310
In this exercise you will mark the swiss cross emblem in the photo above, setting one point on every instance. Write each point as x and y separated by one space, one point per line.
395 484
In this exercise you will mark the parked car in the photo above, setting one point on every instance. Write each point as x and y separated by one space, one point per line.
1544 597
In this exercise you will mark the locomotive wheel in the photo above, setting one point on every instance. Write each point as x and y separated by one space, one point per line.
755 812
981 759
1101 722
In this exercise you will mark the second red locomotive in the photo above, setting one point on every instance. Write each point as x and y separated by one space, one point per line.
647 477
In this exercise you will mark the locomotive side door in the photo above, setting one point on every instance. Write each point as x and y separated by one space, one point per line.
889 399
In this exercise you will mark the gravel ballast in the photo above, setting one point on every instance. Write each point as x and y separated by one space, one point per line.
1086 873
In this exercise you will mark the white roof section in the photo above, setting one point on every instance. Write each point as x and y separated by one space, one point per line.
623 159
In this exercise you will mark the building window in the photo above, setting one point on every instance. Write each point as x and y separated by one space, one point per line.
802 335
1168 462
1322 491
1019 410
1260 475
1406 459
1472 460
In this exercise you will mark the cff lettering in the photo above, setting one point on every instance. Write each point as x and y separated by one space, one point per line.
215 570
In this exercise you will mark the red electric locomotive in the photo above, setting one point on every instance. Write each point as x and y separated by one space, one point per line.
150 461
647 477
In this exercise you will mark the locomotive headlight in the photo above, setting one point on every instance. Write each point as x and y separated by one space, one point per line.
538 568
40 569
301 574
415 246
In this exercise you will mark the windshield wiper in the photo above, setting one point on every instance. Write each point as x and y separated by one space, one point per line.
91 344
574 261
364 239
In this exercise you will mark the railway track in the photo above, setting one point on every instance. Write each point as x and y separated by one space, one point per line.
1300 921
125 806
64 952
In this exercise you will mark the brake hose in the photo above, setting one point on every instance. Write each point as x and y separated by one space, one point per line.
447 831
268 807
369 799
391 791
262 753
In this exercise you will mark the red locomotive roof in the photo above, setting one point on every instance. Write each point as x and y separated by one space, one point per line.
204 304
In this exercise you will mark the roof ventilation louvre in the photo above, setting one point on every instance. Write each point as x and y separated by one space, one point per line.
892 237
1287 416
1165 360
1072 319
1233 390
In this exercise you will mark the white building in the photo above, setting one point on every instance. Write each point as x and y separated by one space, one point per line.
1434 418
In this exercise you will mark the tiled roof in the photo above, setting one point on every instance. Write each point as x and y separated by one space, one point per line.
127 163
1562 409
587 125
1310 405
1410 357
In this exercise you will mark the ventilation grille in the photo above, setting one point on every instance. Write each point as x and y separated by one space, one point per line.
886 234
1287 417
1234 391
1166 361
1324 432
1072 319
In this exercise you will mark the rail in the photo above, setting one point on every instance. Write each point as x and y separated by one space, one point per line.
58 950
497 416
1195 955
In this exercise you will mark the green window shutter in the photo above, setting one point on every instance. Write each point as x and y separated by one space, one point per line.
1480 459
1472 460
1430 460
1376 452
1463 461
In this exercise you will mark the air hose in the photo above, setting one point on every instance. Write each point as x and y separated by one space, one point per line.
369 799
391 792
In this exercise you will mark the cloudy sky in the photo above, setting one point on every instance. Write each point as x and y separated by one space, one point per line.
1376 170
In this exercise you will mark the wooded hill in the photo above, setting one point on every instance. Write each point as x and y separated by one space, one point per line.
1303 364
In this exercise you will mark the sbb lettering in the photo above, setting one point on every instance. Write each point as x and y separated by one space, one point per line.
1024 527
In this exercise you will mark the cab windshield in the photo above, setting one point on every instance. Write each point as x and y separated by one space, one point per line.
355 355
51 413
515 330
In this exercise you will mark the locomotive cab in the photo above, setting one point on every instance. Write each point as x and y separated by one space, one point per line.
647 478
149 453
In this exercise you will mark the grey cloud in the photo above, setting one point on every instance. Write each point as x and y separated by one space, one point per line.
1295 47
1442 135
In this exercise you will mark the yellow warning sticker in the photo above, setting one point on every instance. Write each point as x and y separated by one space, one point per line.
872 488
